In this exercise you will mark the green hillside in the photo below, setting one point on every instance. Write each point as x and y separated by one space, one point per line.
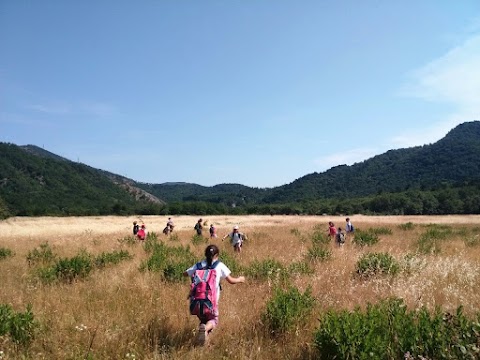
454 160
34 182
440 178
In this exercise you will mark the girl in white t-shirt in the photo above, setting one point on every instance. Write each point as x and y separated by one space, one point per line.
223 272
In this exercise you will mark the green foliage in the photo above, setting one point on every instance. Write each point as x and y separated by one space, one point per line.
365 238
372 264
40 183
286 309
4 253
20 327
128 240
231 262
199 239
174 237
430 241
70 269
43 255
407 226
472 240
380 231
268 269
112 258
318 253
170 261
300 268
387 330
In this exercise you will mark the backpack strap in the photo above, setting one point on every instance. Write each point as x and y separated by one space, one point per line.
214 265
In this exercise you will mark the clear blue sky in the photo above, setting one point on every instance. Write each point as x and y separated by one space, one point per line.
252 92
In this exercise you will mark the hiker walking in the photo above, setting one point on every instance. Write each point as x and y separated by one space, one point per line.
135 228
213 232
169 227
205 290
332 230
199 227
349 228
340 237
236 238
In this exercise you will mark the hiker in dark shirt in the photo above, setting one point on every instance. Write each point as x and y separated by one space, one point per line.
198 227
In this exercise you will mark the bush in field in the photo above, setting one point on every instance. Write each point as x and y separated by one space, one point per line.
43 255
380 231
377 263
387 330
4 253
170 261
365 238
430 241
286 309
174 237
268 269
407 226
20 327
69 269
472 240
295 231
318 253
128 240
300 268
112 258
320 238
231 262
199 239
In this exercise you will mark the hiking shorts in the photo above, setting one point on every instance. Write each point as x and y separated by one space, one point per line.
213 318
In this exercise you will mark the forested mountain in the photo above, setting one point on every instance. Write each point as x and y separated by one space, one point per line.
443 177
34 181
453 160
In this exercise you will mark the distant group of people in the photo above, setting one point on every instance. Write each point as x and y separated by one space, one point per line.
140 231
236 237
337 234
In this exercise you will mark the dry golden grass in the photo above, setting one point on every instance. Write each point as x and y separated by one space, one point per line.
121 311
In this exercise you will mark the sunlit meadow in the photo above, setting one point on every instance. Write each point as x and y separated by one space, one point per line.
119 309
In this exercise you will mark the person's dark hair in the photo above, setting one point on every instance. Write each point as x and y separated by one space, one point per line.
210 253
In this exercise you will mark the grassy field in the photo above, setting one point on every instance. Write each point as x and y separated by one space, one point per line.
122 310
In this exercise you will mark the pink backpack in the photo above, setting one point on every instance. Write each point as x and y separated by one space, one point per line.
203 292
141 234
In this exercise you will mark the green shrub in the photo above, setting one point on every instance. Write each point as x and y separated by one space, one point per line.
231 262
320 238
472 240
174 237
43 255
387 330
267 269
199 239
430 241
128 240
407 226
4 253
365 238
318 253
170 261
286 309
376 263
380 231
69 269
112 258
20 327
300 268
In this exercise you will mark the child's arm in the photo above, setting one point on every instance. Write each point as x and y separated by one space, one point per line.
235 280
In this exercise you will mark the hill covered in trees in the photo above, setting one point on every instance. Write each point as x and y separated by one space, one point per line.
439 178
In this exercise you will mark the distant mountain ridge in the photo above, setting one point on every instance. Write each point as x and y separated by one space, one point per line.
34 181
